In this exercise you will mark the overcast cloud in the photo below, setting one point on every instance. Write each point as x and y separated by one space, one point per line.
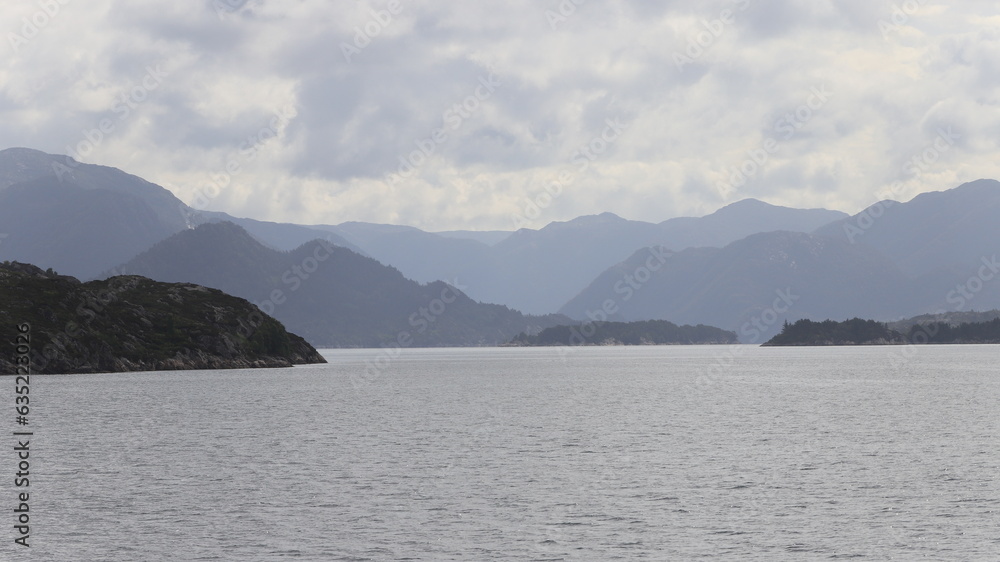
685 105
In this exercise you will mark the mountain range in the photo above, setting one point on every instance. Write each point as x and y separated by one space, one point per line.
936 253
331 295
734 287
534 270
83 219
937 233
744 268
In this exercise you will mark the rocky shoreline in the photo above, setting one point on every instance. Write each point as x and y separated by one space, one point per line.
131 323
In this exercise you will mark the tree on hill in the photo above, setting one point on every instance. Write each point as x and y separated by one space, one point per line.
648 332
855 331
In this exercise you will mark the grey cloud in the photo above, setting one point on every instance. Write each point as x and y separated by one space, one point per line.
606 60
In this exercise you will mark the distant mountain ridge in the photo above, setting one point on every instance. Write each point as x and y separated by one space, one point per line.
748 285
330 295
88 218
935 231
20 165
934 254
733 268
741 219
83 219
536 271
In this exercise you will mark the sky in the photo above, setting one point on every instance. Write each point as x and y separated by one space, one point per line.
501 115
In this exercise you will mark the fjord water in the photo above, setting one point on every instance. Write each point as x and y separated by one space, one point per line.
527 454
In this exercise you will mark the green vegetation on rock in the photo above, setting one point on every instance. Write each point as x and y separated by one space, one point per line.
965 332
648 332
829 332
131 323
869 332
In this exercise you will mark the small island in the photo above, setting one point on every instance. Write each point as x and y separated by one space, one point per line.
647 332
131 323
857 331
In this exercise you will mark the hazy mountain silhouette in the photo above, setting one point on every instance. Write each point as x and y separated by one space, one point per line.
947 241
488 237
330 295
936 253
535 270
78 220
940 230
739 220
791 274
421 256
19 165
82 219
74 230
278 235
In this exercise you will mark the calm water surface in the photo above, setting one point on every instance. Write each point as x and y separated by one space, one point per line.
643 453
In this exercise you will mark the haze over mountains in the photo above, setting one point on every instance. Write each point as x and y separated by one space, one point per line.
534 270
746 267
935 253
934 232
83 219
331 295
792 274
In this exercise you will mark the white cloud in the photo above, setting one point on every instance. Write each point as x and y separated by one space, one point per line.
894 87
